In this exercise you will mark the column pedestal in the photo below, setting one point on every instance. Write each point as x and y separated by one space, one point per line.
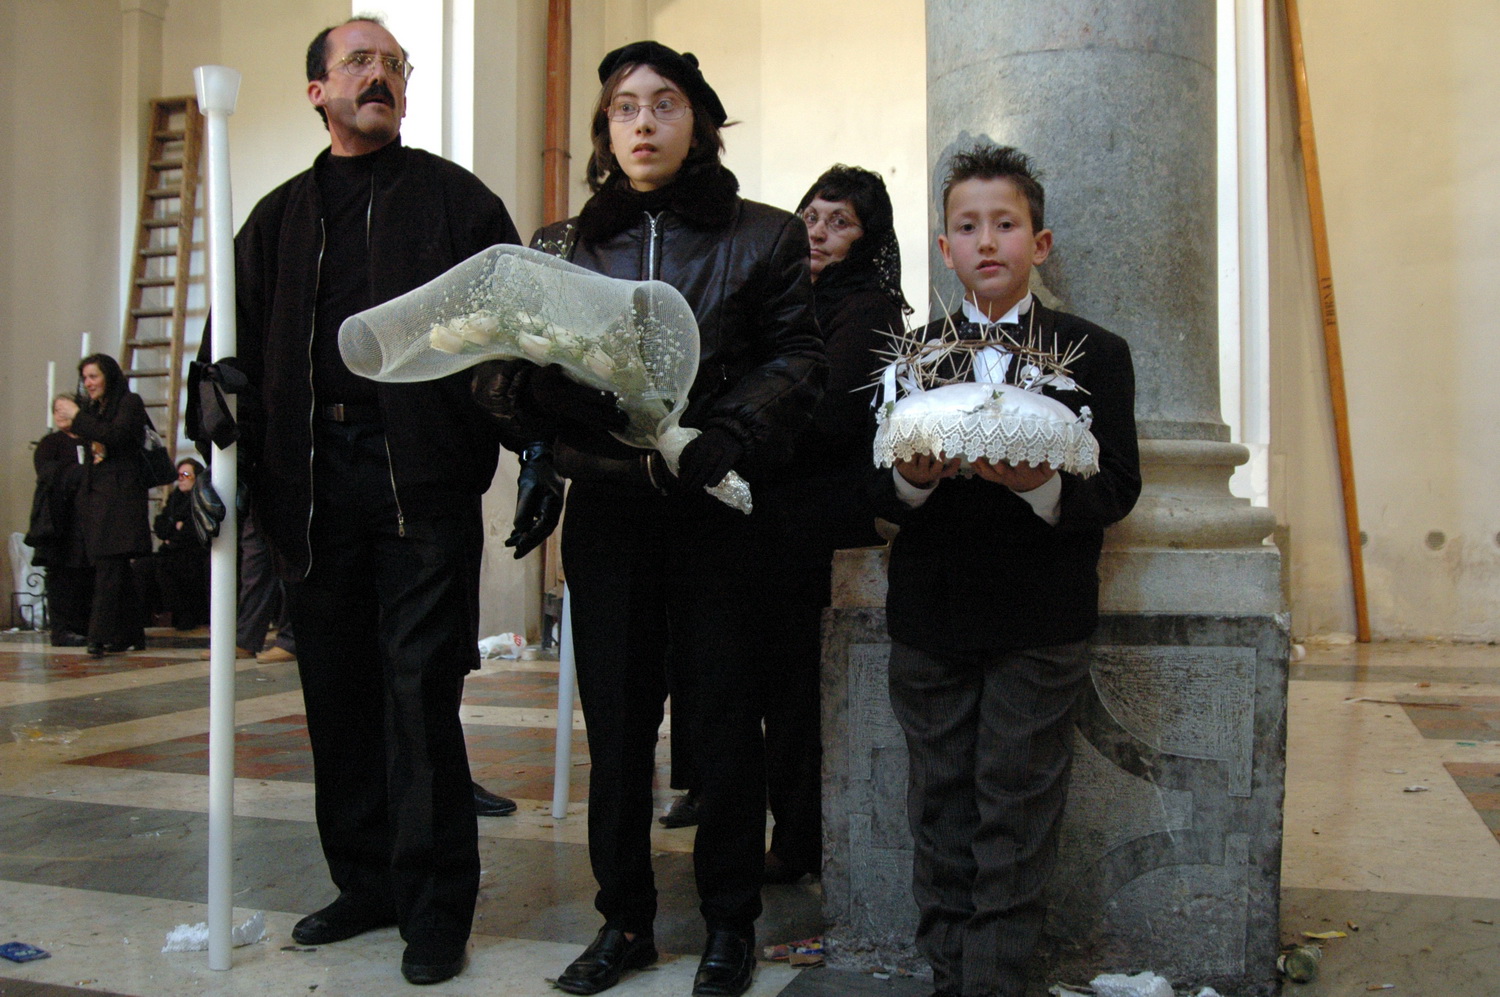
1170 851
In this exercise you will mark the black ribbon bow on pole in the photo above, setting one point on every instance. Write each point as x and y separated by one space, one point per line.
210 382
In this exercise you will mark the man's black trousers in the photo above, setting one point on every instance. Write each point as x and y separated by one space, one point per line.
386 621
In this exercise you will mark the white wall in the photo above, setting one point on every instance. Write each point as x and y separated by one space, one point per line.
508 52
1403 97
59 214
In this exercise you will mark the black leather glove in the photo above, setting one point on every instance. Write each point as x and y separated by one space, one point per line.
707 458
539 500
208 508
553 396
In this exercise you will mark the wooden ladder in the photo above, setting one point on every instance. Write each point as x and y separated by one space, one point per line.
164 265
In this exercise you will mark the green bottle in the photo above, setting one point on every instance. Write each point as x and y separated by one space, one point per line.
1300 964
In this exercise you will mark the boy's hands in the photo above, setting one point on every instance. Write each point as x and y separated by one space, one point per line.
925 470
1020 477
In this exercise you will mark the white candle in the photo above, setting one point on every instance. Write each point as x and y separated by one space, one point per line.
85 346
51 389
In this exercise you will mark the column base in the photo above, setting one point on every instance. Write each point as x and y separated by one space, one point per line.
1169 852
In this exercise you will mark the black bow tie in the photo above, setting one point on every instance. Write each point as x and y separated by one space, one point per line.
991 330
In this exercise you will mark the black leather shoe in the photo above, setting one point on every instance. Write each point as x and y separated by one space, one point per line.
488 804
121 648
608 956
419 971
682 813
727 966
69 639
344 918
96 650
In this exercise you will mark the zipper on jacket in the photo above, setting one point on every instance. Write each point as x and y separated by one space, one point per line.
653 246
391 467
312 412
390 463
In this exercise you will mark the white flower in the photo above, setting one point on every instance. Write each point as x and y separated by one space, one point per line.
479 328
600 363
535 347
440 337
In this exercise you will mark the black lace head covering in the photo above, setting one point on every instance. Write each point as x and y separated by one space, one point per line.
875 258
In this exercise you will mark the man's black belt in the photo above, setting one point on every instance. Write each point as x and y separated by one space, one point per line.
346 412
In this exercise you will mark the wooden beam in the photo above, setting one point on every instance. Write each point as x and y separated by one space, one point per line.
559 80
1332 348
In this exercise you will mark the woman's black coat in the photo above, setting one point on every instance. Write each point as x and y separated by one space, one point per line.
58 477
111 509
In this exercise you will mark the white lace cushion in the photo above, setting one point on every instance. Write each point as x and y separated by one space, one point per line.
996 422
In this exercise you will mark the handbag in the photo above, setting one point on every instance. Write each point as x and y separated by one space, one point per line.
157 466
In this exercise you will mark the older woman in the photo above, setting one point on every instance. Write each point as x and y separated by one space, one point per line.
818 501
651 558
59 462
111 510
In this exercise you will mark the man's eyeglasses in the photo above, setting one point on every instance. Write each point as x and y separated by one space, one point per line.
184 474
363 64
666 109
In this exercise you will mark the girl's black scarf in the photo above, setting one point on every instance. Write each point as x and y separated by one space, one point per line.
704 196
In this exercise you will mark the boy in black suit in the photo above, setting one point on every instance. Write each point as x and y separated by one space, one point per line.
994 592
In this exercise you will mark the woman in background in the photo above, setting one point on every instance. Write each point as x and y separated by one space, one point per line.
175 578
818 502
59 462
111 510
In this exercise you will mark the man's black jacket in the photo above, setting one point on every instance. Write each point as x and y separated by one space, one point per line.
426 215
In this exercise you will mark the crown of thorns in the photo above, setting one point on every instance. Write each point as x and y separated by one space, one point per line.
949 357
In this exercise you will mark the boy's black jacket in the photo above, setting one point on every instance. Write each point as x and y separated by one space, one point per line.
974 568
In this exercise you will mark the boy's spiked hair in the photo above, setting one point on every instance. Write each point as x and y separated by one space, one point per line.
986 161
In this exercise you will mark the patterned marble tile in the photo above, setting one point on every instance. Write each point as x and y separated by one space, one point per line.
59 666
1480 784
512 761
147 700
106 836
1454 718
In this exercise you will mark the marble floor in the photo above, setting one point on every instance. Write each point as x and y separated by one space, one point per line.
103 792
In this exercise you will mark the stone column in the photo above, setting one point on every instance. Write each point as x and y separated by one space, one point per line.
1170 854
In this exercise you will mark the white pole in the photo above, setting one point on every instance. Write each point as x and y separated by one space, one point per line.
1255 247
218 88
51 390
562 752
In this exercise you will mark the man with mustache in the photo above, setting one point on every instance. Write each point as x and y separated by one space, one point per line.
370 496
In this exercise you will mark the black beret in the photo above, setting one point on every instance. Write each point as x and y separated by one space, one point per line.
681 69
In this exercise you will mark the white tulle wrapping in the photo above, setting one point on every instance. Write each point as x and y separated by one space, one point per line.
636 339
998 422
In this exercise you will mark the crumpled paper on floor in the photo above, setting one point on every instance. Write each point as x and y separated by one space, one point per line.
194 937
1145 984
